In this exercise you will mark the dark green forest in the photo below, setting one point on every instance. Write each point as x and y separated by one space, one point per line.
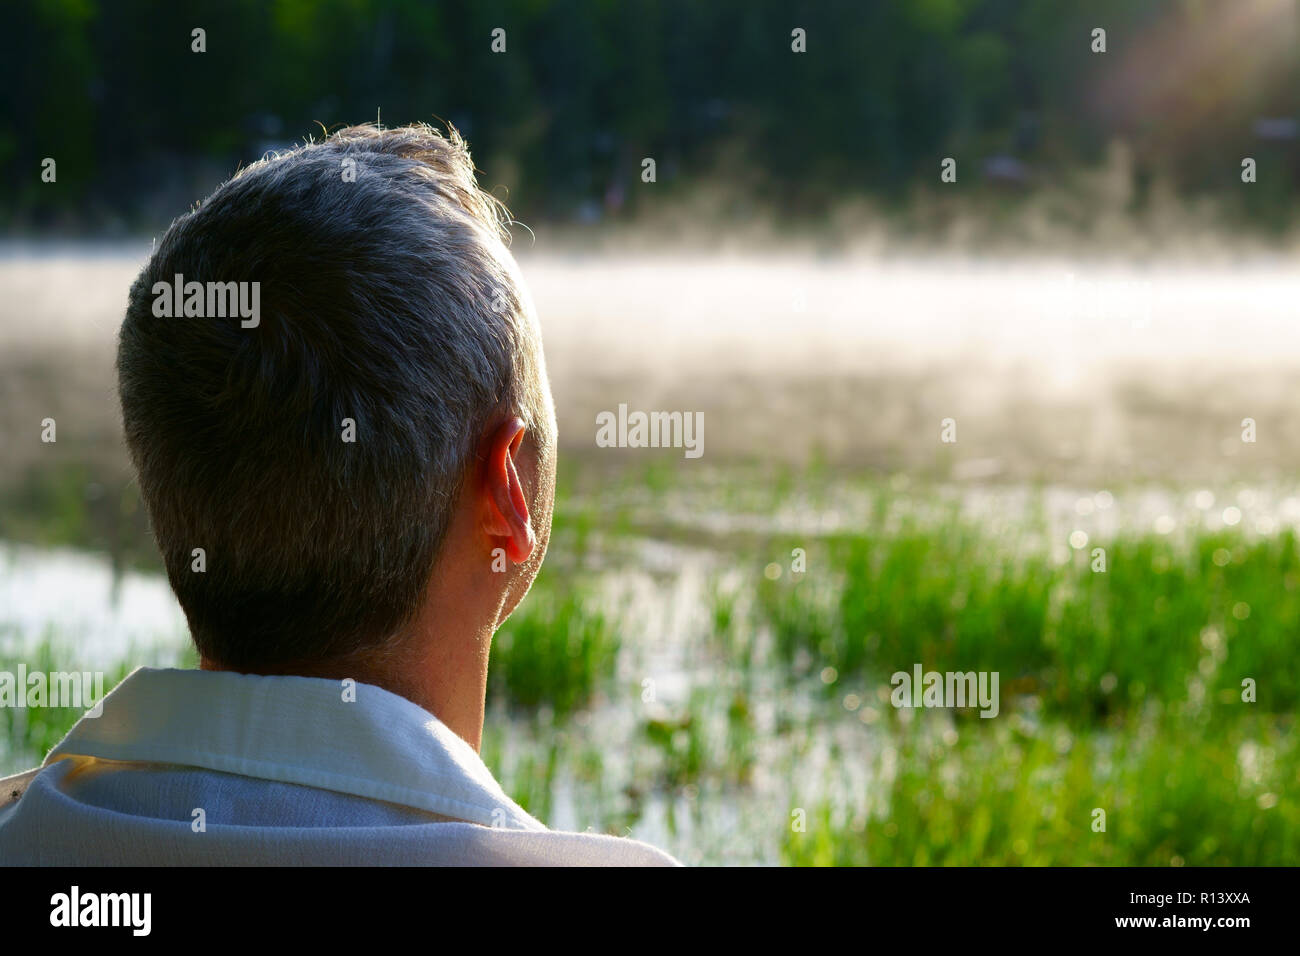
585 89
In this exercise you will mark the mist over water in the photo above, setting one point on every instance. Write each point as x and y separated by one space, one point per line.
1052 369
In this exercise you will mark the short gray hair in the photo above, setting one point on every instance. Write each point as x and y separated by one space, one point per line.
388 297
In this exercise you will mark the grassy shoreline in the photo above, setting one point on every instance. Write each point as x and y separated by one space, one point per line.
671 676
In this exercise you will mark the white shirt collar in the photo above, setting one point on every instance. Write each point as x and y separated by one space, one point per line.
296 730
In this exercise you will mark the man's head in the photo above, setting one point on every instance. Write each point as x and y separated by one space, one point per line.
386 416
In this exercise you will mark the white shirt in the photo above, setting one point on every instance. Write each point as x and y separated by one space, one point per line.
213 768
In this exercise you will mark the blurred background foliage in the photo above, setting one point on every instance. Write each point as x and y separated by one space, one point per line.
559 123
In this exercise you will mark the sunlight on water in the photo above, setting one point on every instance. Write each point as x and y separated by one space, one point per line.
74 599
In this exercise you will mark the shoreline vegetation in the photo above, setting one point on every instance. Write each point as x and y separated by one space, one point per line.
686 686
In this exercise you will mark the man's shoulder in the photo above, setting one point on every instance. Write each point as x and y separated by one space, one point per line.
12 788
498 846
38 824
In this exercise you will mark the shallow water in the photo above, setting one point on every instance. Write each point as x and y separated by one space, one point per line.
77 600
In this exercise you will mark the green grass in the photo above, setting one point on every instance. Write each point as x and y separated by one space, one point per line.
1165 617
1120 691
1222 794
1166 614
556 650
